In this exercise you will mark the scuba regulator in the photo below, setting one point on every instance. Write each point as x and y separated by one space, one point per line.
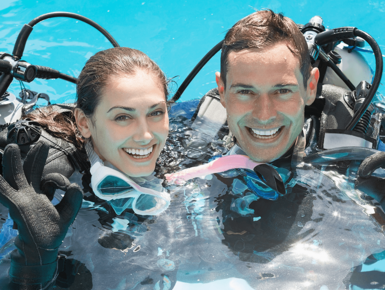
12 66
321 44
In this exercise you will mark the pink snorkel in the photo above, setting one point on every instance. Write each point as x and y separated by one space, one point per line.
218 165
264 171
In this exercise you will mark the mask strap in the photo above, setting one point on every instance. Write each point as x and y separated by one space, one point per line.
94 159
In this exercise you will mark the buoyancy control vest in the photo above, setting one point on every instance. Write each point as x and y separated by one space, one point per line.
63 156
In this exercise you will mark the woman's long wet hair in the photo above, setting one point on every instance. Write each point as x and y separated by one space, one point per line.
119 61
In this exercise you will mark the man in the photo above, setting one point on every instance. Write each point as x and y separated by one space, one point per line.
266 80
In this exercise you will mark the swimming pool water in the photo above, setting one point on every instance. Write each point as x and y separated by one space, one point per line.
207 239
176 34
219 234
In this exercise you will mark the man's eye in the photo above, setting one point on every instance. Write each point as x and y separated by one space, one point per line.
156 113
245 92
283 91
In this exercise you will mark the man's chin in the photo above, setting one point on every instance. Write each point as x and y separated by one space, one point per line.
264 156
264 150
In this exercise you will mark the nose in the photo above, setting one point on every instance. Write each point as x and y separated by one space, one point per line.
264 109
143 134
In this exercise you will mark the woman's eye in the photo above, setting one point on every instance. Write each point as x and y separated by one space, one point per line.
122 118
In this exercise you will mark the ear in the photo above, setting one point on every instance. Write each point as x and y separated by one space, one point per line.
312 86
83 123
221 88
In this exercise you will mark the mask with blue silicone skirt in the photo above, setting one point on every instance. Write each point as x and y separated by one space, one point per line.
109 184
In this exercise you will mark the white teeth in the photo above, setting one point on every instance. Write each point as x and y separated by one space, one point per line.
139 153
265 133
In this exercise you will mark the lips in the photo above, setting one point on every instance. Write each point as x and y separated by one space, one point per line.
139 153
266 134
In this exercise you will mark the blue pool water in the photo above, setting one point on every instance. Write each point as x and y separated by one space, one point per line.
209 238
176 34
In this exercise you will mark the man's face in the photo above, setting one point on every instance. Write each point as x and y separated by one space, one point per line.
265 100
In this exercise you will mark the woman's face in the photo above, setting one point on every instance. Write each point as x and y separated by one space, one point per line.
130 124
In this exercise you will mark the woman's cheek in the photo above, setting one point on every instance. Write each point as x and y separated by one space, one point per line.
118 133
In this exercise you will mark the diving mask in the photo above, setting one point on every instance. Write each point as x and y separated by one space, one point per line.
110 184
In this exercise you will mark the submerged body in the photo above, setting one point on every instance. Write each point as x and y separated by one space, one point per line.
218 232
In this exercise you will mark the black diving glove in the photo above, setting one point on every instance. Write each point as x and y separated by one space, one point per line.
371 185
42 226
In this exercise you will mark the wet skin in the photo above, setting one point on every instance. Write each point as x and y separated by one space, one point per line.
132 115
265 99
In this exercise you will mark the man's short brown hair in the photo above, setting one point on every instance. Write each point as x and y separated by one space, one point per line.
261 30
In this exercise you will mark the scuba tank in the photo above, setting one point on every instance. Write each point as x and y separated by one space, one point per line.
352 64
345 120
10 108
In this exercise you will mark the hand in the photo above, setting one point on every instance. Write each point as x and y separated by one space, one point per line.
372 185
42 226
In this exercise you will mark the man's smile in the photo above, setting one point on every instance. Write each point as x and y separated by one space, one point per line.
264 136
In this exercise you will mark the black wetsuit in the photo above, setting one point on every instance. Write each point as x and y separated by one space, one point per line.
315 236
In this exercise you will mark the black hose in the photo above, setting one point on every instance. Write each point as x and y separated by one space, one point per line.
195 71
78 17
376 80
67 78
21 40
44 72
342 76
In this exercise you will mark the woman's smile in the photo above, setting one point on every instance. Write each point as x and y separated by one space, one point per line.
140 154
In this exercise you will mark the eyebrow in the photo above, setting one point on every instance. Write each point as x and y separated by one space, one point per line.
239 85
286 85
242 86
131 109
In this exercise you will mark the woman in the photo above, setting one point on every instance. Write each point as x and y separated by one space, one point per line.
121 118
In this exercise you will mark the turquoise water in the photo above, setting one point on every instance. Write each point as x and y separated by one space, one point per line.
330 235
176 34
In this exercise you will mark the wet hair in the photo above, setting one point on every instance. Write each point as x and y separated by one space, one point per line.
99 68
261 30
119 61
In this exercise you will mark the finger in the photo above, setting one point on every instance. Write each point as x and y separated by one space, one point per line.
53 181
69 206
34 164
7 199
12 167
6 192
370 164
